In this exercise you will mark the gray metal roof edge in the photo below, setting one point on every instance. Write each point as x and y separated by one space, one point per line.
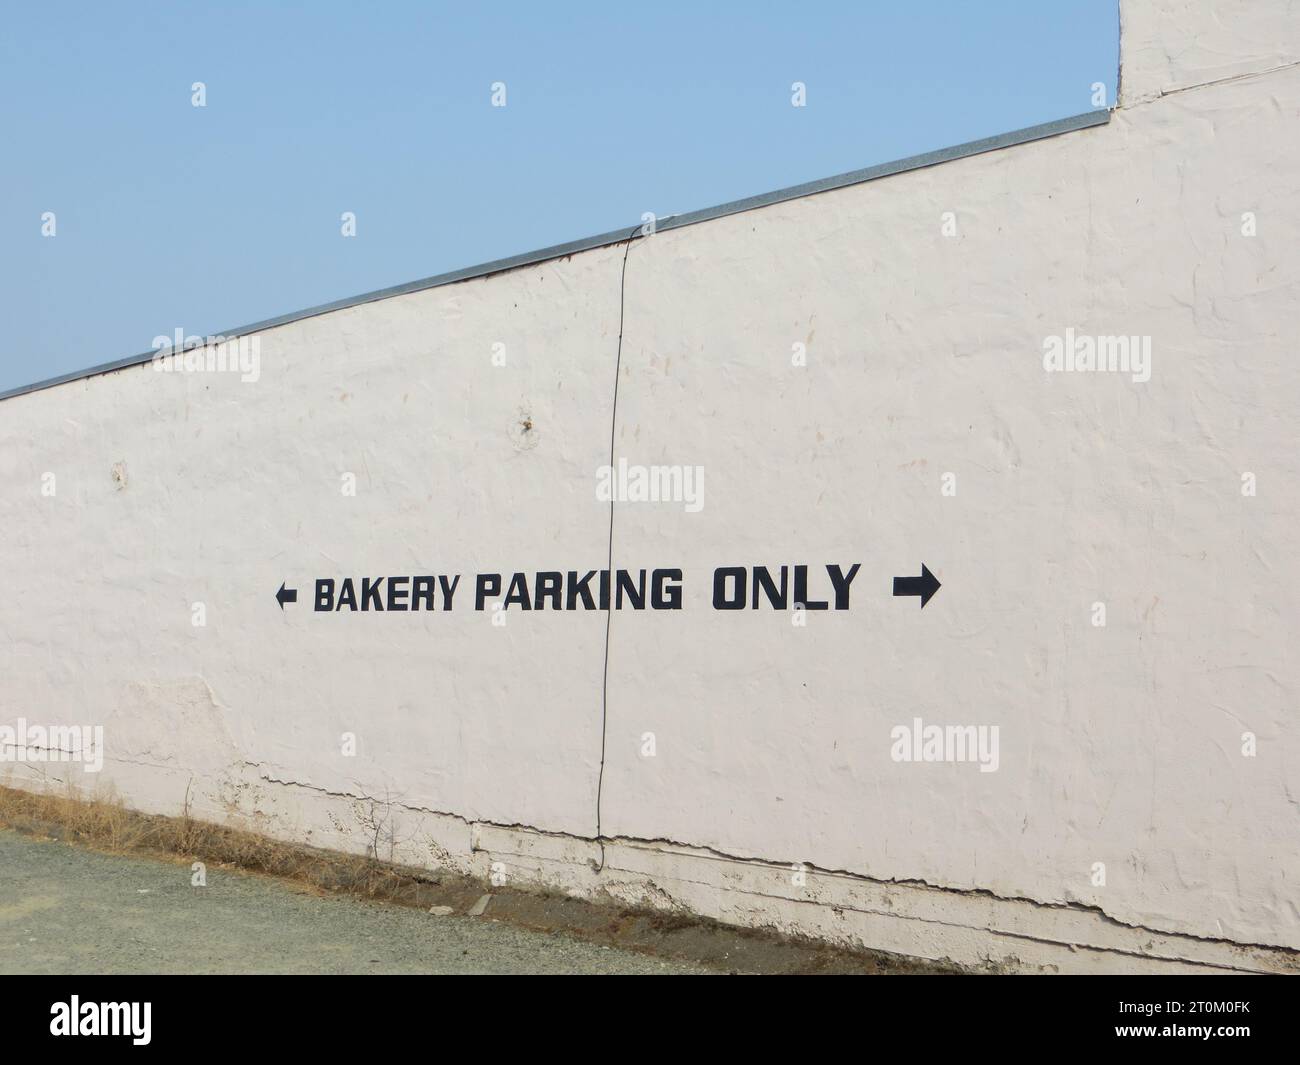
1086 120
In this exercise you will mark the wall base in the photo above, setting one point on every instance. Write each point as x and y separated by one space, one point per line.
974 930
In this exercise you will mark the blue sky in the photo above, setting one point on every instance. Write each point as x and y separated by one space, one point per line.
172 216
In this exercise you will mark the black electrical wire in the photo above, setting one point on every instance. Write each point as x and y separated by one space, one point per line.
609 611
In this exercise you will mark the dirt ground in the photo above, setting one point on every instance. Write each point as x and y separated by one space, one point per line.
66 909
94 888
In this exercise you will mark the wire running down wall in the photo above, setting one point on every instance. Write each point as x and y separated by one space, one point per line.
419 625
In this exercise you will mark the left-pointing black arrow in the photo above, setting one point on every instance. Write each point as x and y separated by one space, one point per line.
925 585
286 595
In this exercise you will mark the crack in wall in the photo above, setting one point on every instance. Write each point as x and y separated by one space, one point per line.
1175 90
708 853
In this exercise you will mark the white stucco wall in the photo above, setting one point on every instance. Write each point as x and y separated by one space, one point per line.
1172 45
1118 745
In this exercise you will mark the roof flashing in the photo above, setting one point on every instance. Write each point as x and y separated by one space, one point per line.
1086 120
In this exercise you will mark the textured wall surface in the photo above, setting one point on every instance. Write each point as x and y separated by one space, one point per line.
1119 744
1172 45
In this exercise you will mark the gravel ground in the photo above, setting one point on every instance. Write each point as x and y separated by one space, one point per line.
66 910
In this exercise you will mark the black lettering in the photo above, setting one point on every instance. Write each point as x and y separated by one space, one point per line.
635 592
763 582
663 594
488 585
397 595
579 588
421 592
721 601
518 593
324 594
842 583
801 590
448 590
548 587
370 592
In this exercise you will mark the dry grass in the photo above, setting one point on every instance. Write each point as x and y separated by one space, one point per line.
102 821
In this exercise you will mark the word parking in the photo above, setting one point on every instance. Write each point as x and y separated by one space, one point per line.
784 587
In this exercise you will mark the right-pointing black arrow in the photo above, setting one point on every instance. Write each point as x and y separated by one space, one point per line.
286 595
925 585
